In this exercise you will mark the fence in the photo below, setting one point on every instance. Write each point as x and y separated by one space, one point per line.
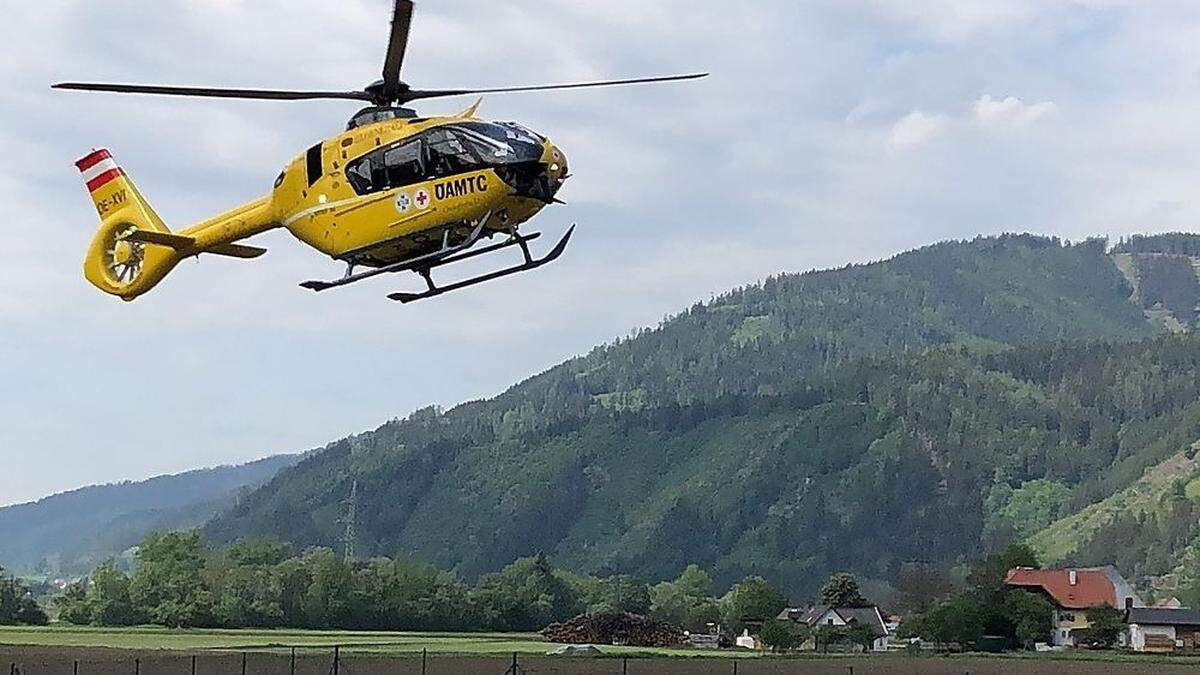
302 661
360 660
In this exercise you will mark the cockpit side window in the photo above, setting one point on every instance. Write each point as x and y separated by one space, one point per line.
403 164
391 167
359 174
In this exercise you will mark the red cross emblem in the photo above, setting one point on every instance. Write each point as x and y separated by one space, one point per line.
422 199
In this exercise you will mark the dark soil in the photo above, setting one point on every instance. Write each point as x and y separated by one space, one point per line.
103 661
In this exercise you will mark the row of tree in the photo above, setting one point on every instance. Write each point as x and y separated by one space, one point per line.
179 581
17 604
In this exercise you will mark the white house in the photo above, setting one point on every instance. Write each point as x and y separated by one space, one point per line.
824 615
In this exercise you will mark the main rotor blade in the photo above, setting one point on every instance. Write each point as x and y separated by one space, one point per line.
260 94
397 46
416 94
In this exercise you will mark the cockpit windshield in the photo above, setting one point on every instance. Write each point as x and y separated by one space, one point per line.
444 151
506 142
451 152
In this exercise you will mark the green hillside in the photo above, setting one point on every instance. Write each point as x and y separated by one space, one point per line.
70 532
804 425
1150 530
1156 496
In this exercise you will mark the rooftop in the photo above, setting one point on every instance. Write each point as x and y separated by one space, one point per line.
1164 616
1069 589
866 616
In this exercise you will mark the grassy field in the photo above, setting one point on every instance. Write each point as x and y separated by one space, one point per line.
462 644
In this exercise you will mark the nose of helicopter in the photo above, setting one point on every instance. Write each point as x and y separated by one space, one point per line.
555 160
537 176
557 170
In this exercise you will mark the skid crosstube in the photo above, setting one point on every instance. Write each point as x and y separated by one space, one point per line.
447 249
517 240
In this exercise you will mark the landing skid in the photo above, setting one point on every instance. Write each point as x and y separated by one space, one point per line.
449 254
447 249
516 240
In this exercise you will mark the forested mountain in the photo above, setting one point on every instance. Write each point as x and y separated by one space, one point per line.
854 419
70 532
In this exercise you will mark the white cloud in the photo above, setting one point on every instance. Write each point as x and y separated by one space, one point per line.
919 128
1011 112
916 129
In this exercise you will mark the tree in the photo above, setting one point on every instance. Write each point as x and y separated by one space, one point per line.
17 605
294 579
922 586
842 590
250 596
752 599
168 585
72 603
672 604
694 582
782 636
686 601
958 620
407 594
861 635
986 576
1024 511
1105 625
825 635
621 593
108 597
330 600
1032 617
527 595
258 552
986 588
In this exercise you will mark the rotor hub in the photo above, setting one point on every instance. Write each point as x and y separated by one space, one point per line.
122 252
382 96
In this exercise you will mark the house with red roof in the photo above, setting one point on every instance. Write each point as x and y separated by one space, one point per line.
1073 592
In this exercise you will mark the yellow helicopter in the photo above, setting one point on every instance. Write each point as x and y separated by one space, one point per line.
396 192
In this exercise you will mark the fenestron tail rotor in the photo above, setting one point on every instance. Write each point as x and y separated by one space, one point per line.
123 258
387 91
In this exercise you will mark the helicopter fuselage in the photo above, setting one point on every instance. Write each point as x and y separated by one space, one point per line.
380 193
385 191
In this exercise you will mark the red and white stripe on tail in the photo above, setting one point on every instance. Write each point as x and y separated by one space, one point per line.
99 169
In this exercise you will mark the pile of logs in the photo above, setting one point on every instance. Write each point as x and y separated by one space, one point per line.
614 629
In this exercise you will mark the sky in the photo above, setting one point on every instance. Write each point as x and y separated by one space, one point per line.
830 132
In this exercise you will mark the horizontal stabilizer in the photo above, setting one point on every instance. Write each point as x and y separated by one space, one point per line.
236 251
175 241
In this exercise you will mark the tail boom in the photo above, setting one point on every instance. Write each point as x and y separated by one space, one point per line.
134 249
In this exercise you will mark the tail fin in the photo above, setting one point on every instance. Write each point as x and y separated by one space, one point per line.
119 262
